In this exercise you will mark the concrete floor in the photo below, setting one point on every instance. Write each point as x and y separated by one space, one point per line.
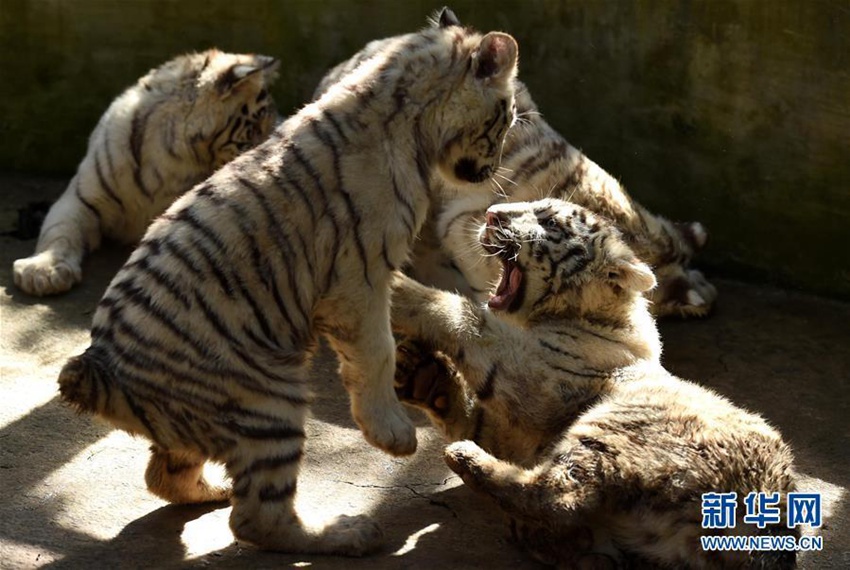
73 490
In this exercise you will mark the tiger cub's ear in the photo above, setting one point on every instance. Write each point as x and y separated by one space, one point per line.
496 57
261 71
631 274
445 18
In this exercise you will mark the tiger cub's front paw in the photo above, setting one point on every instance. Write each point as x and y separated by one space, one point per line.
46 274
422 379
387 428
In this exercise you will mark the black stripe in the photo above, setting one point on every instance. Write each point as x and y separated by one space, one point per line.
216 370
168 139
164 280
599 336
139 297
188 215
137 139
216 135
235 344
585 373
86 203
337 127
276 432
566 334
137 411
422 162
328 209
479 425
287 183
182 256
270 493
215 320
243 220
386 255
486 390
346 195
103 184
270 463
94 392
287 254
456 218
557 350
214 266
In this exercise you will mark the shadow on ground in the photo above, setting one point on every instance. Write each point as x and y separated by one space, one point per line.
74 494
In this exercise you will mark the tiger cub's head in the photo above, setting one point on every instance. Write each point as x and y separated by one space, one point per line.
480 108
561 259
228 107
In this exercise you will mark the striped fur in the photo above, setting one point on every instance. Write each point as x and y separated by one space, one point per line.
538 163
562 411
166 133
203 340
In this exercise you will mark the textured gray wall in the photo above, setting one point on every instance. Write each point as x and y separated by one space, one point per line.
732 112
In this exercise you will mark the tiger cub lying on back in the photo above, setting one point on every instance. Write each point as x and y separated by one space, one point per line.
569 420
169 131
203 340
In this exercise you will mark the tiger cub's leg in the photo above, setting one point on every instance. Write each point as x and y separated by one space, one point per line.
366 349
177 477
264 472
548 494
71 228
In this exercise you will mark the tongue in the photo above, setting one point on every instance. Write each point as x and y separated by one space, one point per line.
507 290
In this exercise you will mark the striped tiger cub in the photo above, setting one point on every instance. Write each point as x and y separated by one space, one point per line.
561 410
202 341
169 131
537 163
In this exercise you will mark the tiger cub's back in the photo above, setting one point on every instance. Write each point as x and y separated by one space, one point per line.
169 131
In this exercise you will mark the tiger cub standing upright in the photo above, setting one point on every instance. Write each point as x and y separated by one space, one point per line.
537 162
566 416
169 131
203 339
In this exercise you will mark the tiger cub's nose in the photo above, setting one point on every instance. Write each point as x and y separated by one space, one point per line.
494 220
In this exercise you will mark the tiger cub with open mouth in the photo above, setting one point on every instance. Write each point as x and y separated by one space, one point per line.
561 409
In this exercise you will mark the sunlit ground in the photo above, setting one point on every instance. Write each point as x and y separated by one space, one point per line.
73 490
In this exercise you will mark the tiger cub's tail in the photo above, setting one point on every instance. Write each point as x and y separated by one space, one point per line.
89 387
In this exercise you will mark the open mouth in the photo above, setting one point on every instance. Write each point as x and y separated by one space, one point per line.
508 294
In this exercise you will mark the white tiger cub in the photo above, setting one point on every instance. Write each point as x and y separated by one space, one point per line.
571 423
169 131
538 162
202 341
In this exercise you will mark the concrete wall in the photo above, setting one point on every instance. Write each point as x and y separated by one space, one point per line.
732 112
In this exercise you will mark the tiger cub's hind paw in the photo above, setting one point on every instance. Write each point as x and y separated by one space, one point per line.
45 274
694 233
353 535
688 295
343 535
